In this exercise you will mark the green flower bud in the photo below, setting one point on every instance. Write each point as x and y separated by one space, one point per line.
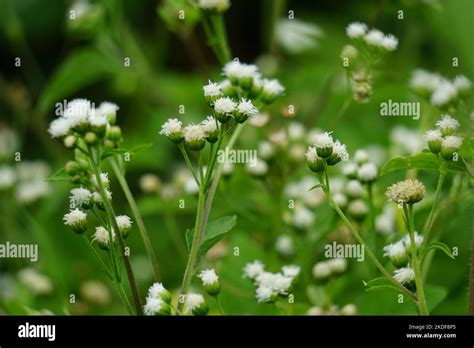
114 133
210 281
91 138
70 141
72 168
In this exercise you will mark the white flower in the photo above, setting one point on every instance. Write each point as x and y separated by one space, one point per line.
212 89
340 150
59 127
35 281
291 271
296 36
279 138
349 309
340 199
78 111
296 131
433 135
303 217
218 5
171 126
374 38
389 42
367 172
104 177
156 290
321 270
259 169
447 123
246 107
349 169
284 245
98 120
97 198
123 222
7 177
418 240
337 265
272 88
404 275
254 269
281 284
462 83
194 132
208 277
29 191
79 197
107 109
443 94
236 70
356 30
101 235
323 140
395 250
153 306
357 208
407 191
354 188
260 119
361 156
424 80
224 105
209 125
451 141
74 217
266 150
193 301
264 294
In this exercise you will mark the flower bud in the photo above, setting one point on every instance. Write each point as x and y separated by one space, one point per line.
397 254
156 306
434 139
324 144
70 141
210 281
173 130
114 133
194 137
72 168
102 237
449 146
315 163
157 290
357 209
224 108
362 92
91 138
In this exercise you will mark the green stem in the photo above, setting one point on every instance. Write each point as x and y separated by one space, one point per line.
368 250
188 163
123 297
193 254
219 305
110 212
217 21
370 199
94 252
416 264
138 218
431 217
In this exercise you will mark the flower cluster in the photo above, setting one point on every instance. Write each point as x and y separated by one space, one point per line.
400 252
325 151
438 90
443 140
358 60
232 99
271 286
158 301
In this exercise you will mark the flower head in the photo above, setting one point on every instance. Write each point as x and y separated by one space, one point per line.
77 220
158 291
271 89
374 38
444 94
254 269
156 306
397 253
404 275
60 127
265 294
291 271
101 236
173 130
406 192
447 125
324 144
390 42
196 305
224 107
212 91
356 30
124 224
194 137
315 163
80 197
339 153
418 241
245 109
209 126
367 172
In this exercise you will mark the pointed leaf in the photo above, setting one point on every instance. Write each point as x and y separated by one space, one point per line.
380 283
440 246
215 232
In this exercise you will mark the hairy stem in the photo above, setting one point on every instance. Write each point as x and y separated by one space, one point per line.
422 307
138 218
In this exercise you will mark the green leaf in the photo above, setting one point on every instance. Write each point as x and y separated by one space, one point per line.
422 161
440 246
316 186
92 65
380 283
434 296
317 295
215 231
60 175
120 151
